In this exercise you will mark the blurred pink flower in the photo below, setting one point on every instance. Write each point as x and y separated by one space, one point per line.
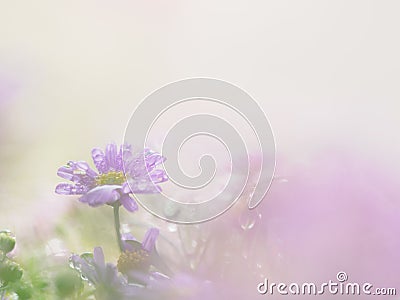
334 212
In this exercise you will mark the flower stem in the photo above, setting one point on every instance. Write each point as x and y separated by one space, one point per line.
117 226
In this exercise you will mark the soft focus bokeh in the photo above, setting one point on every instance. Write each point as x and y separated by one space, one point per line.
325 72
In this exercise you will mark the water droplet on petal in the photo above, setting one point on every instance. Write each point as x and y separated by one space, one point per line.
189 238
170 209
282 179
84 277
192 265
247 220
172 227
74 265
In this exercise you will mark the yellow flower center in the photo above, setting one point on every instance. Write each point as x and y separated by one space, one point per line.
133 260
110 178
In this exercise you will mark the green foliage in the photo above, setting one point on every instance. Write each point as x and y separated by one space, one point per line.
35 278
10 271
24 290
68 283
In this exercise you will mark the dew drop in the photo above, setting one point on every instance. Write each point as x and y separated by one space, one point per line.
172 227
74 265
84 277
170 210
247 220
192 265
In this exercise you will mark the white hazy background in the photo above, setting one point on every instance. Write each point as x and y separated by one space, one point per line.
71 72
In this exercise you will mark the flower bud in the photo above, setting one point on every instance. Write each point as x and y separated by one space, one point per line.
7 242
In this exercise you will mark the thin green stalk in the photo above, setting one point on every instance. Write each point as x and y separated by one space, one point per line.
117 226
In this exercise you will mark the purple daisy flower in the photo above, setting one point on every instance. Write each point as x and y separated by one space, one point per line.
129 280
108 283
120 173
137 258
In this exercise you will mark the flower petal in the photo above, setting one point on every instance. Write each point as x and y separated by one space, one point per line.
78 172
99 160
105 194
150 238
83 166
85 266
111 156
125 153
158 176
129 242
126 188
98 256
65 172
153 160
70 189
129 204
